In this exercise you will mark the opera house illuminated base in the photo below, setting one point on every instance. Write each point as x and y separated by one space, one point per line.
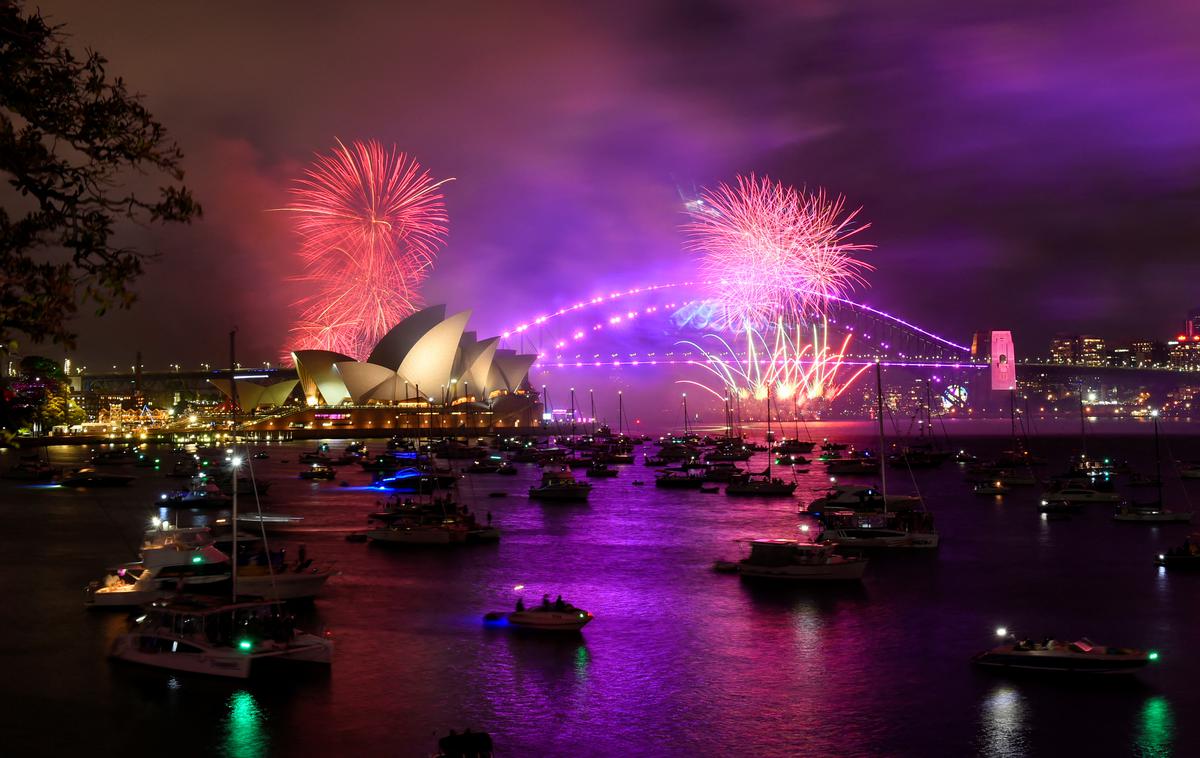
427 373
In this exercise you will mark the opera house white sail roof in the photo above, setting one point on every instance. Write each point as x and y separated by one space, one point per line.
418 357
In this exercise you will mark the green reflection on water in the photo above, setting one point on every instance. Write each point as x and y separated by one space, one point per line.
1156 728
245 736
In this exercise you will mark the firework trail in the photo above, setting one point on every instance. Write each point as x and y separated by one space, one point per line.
774 252
784 366
371 221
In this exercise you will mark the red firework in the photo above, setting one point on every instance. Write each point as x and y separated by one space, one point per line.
371 221
771 252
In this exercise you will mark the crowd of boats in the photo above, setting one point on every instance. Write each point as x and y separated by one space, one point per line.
212 600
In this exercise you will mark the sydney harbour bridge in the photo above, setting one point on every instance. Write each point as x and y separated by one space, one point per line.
665 330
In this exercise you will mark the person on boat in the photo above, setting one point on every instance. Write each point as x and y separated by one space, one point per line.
489 518
520 605
546 601
559 605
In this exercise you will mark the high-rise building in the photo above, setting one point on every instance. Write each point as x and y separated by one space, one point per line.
1064 348
1191 327
1142 351
1091 350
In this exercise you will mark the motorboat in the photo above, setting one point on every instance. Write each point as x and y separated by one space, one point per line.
190 559
1143 480
761 484
558 616
722 472
441 522
1080 494
484 466
794 447
601 471
114 457
90 477
319 471
1186 556
678 480
261 455
1079 657
208 635
201 493
852 466
998 487
862 499
1151 513
560 484
1059 506
795 561
506 469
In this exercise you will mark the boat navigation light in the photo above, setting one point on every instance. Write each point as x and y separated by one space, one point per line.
804 527
156 521
518 588
245 645
1162 557
197 558
235 461
1001 631
1153 655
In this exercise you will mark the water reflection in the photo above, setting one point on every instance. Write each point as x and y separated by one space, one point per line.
1156 728
245 736
1003 728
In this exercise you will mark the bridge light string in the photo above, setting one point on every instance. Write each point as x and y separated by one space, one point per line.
540 320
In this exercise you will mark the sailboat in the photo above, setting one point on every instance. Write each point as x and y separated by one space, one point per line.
761 484
909 529
1153 512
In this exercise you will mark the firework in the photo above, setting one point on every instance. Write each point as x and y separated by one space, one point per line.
783 365
772 252
371 221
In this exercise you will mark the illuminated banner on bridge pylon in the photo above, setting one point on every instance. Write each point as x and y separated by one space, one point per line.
1004 362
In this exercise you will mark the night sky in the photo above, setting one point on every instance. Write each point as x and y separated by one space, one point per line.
1028 166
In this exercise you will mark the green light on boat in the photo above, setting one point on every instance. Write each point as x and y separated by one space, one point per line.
245 645
197 559
1153 655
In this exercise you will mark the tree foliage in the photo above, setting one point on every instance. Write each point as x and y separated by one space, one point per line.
75 146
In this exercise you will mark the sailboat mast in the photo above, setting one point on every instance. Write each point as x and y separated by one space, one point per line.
685 414
1082 425
879 413
620 412
1157 459
233 468
770 452
592 400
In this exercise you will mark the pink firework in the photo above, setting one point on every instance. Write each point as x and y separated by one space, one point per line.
771 252
371 221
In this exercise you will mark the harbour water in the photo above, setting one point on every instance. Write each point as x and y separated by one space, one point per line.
680 660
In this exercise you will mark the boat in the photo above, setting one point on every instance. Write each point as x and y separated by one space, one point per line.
200 493
997 487
484 466
852 466
560 484
194 559
1152 513
601 471
29 470
261 455
903 530
1059 506
1080 494
558 616
1189 469
795 447
710 489
759 485
678 480
438 522
795 561
506 469
319 471
862 498
90 477
1079 657
209 635
114 457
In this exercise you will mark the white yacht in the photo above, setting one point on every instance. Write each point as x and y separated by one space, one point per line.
208 635
183 559
1152 513
795 561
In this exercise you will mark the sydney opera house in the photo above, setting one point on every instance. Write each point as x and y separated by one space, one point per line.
427 372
